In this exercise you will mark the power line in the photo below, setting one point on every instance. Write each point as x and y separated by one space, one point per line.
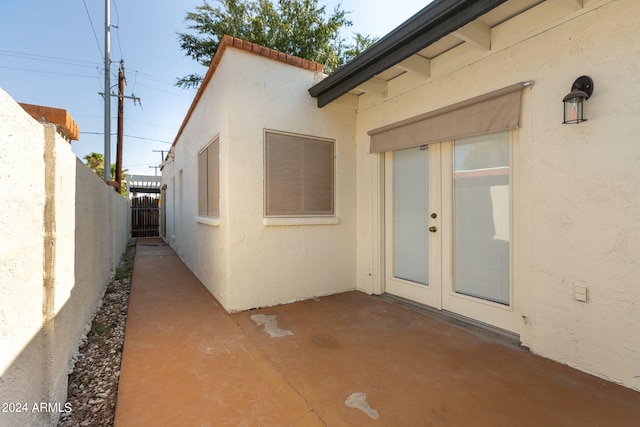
81 63
50 59
117 27
141 164
89 64
93 28
155 78
166 91
47 58
148 139
128 136
48 72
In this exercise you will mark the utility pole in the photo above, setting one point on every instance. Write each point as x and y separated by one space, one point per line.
161 154
107 90
121 83
156 168
107 102
122 80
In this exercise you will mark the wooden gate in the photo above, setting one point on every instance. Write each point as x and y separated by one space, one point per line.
145 217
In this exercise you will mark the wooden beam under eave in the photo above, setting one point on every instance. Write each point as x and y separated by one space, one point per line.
416 64
348 100
477 33
576 4
374 85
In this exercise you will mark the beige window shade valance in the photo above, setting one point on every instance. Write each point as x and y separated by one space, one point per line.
492 112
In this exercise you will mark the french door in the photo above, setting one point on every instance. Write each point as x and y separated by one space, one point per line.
448 227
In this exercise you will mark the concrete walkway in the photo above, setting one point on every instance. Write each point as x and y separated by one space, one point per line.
342 360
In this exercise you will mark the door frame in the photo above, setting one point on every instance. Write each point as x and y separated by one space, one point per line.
508 315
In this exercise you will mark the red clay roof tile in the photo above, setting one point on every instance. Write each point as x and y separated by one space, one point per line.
229 41
59 117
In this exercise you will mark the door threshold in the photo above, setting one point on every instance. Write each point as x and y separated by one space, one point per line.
477 328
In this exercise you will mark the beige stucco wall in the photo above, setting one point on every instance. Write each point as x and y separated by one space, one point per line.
244 262
576 202
64 232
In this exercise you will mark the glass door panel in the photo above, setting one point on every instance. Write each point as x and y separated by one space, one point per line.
481 217
410 215
412 200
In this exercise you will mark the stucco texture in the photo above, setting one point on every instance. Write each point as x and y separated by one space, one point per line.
64 232
245 262
575 201
574 187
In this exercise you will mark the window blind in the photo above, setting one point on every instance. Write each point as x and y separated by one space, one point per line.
202 183
213 179
209 180
299 175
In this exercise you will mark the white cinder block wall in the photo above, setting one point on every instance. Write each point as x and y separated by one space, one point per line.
64 231
22 363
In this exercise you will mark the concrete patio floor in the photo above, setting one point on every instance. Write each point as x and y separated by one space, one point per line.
342 360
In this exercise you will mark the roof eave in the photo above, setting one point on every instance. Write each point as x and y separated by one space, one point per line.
432 23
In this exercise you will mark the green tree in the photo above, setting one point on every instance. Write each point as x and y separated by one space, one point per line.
296 27
95 162
361 43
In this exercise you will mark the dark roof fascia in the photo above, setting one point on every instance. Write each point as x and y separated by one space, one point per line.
429 25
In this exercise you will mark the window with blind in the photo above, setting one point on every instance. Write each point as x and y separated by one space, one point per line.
299 175
209 180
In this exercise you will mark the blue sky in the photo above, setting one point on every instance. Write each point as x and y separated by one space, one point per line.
51 53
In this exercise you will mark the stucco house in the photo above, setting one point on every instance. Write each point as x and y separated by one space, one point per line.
435 167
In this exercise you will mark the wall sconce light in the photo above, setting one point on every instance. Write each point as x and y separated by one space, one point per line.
581 90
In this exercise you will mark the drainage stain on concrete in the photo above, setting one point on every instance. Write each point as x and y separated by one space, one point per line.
326 341
359 401
270 325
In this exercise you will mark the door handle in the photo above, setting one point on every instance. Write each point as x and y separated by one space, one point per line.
433 229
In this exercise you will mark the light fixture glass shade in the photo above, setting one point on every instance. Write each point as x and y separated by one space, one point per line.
573 107
581 90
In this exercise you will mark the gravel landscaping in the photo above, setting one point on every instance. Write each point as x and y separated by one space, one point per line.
93 383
